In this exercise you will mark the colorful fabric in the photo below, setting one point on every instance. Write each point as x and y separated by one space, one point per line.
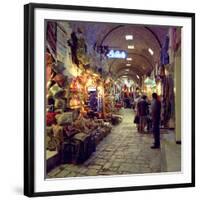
56 91
50 118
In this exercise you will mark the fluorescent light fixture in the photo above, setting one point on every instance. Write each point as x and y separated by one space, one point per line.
138 77
129 59
127 70
151 51
129 37
128 64
130 46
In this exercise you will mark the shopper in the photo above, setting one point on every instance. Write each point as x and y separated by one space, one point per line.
155 113
135 109
149 121
142 108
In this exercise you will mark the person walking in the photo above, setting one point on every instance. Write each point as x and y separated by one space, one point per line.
155 114
142 108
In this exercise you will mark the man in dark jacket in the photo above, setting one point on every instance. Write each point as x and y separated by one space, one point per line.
143 111
155 113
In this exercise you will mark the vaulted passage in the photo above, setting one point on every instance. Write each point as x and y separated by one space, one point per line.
101 116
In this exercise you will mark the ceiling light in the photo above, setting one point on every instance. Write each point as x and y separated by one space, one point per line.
151 51
130 46
127 70
128 64
138 77
129 37
129 59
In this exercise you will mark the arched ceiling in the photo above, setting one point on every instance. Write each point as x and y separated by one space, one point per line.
143 39
131 75
113 36
139 60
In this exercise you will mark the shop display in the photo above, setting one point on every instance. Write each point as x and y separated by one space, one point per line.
51 37
92 103
168 102
80 109
58 135
56 91
60 104
58 67
64 118
50 118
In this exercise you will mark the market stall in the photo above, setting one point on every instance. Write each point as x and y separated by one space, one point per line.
80 108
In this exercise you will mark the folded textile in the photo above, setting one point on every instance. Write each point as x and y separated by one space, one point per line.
64 118
50 118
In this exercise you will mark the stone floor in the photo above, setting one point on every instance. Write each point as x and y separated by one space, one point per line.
123 151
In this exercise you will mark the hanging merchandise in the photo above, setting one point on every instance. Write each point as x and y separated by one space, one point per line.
56 91
162 71
73 43
51 37
164 56
78 48
58 67
100 98
109 95
49 62
168 100
74 102
60 79
62 39
73 86
60 104
82 49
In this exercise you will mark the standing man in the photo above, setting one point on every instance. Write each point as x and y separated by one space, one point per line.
155 113
142 112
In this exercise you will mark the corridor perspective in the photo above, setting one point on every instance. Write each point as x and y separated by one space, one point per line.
123 151
113 99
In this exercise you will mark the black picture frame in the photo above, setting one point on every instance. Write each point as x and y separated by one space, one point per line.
29 104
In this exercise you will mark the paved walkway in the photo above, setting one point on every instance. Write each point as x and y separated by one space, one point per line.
123 151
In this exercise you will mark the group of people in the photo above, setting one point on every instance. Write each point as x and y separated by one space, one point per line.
148 116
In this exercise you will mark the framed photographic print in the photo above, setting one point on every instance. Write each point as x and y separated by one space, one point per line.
108 99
